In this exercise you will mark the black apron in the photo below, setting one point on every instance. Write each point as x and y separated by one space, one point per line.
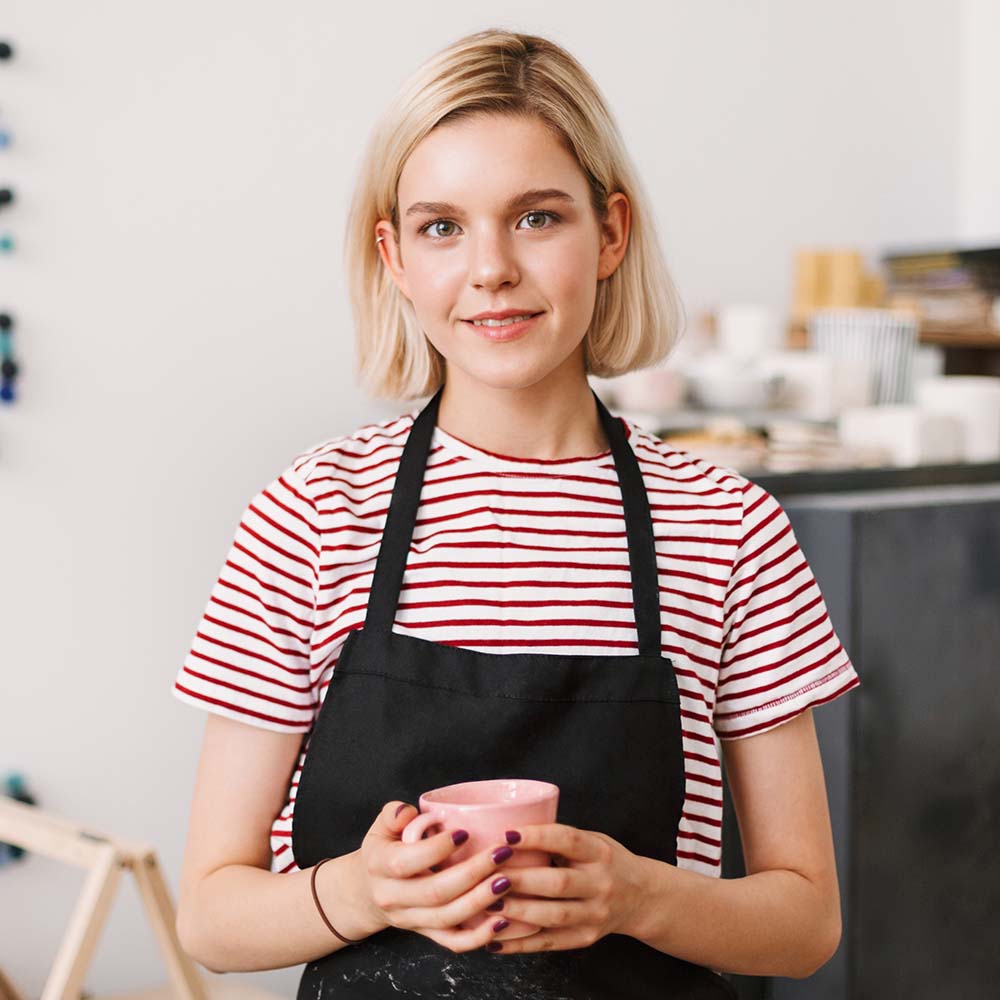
605 729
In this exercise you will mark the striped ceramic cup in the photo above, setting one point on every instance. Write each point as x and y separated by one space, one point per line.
884 338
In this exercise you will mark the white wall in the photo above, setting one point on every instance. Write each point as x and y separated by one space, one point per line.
183 171
979 101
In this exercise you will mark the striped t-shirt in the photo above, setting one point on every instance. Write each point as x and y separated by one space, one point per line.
514 554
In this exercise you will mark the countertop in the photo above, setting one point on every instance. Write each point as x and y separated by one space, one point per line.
851 479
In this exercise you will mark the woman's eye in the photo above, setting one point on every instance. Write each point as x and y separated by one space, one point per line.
539 215
431 227
439 222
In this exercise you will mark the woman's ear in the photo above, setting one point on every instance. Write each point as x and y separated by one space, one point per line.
388 248
614 234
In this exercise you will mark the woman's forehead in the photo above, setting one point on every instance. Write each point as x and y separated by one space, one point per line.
488 161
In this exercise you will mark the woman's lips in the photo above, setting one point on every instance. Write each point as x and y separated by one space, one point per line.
508 332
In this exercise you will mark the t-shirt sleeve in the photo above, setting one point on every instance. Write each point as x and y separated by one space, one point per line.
250 656
780 653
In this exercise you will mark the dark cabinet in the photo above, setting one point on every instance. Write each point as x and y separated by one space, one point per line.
911 578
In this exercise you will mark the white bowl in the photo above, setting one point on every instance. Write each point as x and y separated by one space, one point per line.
721 383
652 390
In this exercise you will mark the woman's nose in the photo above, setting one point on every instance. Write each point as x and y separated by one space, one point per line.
492 260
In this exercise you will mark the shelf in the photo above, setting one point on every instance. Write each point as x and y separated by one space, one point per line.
694 418
982 338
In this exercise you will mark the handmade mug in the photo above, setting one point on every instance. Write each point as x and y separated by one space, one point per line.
487 809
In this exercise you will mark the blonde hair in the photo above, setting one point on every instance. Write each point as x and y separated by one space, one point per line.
637 315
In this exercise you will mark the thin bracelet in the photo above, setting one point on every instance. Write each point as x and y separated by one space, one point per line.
312 883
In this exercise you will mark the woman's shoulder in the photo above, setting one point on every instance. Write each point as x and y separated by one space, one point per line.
692 472
354 452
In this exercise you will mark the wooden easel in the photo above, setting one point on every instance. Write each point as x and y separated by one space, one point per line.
105 857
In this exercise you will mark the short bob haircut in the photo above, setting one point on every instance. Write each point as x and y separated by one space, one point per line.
637 312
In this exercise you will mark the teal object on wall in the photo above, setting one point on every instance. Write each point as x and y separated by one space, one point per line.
14 788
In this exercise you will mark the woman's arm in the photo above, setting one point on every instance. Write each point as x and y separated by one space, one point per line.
234 914
783 917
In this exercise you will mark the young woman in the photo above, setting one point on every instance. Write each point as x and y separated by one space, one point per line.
509 581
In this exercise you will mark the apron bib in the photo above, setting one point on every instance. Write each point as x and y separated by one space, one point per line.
403 715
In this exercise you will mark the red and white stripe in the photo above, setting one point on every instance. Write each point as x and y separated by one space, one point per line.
513 555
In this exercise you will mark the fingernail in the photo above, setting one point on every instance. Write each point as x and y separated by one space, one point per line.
501 884
495 907
401 808
460 836
494 946
513 837
501 854
501 924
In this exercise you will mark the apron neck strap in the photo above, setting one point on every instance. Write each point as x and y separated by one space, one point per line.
405 502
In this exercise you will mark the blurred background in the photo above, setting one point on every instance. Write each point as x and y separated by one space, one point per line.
174 180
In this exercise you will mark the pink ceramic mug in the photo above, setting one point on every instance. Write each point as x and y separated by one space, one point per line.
487 809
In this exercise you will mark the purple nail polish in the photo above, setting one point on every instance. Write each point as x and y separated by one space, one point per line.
495 907
460 836
494 946
501 854
399 809
501 924
501 884
513 837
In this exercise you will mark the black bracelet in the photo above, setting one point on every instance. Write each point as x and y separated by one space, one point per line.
312 883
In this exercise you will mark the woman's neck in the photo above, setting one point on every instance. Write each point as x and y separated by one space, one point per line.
532 423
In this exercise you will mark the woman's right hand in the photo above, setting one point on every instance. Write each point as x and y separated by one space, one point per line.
403 893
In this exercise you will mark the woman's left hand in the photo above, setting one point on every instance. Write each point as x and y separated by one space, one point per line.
597 889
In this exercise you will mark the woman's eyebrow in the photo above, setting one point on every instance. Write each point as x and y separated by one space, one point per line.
518 201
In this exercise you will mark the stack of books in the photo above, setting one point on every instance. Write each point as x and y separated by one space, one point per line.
796 446
950 288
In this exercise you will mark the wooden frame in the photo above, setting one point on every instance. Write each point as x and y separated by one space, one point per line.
105 858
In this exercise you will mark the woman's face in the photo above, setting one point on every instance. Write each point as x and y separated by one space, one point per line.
468 243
